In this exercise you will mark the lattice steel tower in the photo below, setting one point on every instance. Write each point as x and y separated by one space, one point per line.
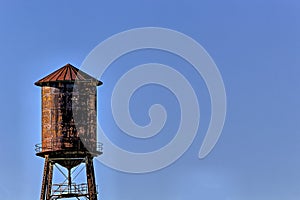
69 131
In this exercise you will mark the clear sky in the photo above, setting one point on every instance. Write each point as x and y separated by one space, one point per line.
256 47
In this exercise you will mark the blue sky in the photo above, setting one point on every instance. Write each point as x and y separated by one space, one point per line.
256 47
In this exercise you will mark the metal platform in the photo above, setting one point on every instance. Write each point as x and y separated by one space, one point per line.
72 148
60 191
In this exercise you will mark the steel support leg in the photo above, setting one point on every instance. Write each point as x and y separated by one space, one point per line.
49 185
91 178
45 178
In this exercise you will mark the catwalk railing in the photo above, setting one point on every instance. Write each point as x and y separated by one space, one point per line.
68 144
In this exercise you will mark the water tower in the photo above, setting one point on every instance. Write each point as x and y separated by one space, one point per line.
69 131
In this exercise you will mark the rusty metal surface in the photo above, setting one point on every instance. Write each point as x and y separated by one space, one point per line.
67 73
69 116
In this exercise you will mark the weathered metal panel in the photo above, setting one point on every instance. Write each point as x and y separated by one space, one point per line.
69 117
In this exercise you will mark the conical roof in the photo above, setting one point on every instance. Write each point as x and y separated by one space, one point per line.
67 73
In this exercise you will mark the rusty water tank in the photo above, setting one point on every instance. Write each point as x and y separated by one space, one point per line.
69 113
